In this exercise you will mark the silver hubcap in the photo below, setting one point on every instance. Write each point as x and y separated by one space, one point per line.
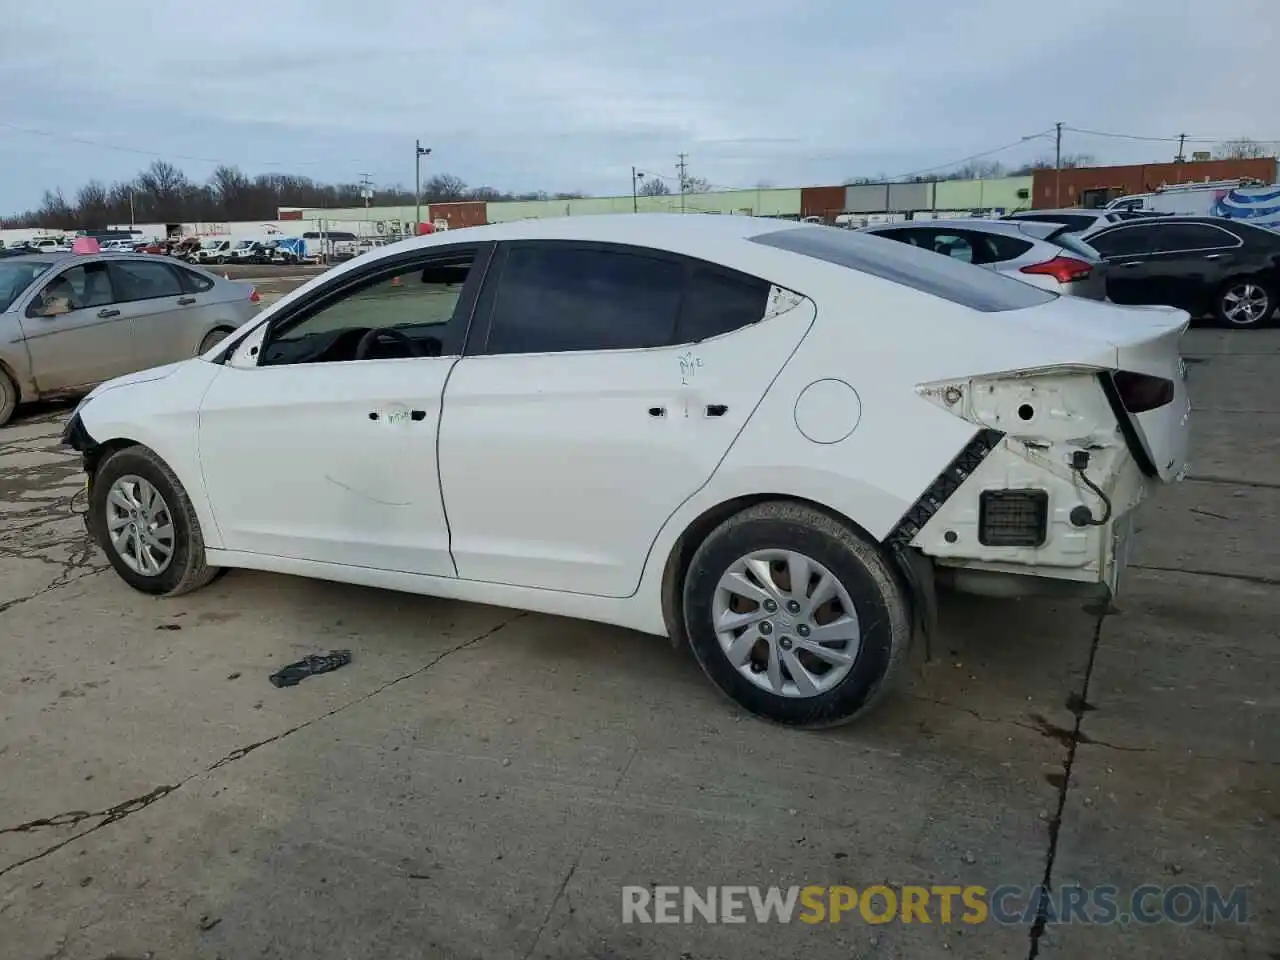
140 526
786 623
1245 303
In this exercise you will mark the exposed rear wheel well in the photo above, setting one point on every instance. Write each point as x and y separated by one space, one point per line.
687 544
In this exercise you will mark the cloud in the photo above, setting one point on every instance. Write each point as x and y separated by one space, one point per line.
569 94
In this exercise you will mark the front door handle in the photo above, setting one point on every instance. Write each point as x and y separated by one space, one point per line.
716 409
106 313
186 301
1214 256
1132 263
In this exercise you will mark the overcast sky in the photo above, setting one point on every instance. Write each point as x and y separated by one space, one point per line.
569 94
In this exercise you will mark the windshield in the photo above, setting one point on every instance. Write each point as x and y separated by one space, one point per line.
15 278
243 244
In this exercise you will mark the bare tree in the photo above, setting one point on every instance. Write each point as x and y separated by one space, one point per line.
93 208
1242 148
162 188
54 211
444 187
654 187
696 185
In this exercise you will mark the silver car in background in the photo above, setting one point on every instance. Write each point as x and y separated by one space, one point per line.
1045 255
70 321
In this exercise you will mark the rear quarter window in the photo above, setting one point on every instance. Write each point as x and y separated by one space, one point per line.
921 270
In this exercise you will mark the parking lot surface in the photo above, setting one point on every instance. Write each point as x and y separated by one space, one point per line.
480 782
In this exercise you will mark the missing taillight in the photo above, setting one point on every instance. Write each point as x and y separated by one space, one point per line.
1062 269
1140 392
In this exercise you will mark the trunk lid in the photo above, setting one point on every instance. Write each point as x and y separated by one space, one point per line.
1142 340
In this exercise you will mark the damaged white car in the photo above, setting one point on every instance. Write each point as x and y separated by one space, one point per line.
766 440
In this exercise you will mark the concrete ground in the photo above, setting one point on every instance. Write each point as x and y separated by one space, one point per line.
482 783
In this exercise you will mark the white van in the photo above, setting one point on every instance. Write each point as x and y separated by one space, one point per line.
1248 200
214 250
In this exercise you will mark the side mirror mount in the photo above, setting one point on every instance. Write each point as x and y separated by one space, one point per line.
248 351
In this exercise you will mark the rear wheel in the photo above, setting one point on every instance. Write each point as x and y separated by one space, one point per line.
795 616
1244 303
8 398
141 516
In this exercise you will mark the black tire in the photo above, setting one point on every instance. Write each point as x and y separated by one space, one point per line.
8 398
220 260
187 569
861 568
1221 304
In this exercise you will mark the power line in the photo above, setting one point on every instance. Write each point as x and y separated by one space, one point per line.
1180 137
976 156
162 156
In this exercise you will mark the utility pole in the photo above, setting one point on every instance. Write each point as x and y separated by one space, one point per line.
366 192
419 151
1057 168
682 167
1180 158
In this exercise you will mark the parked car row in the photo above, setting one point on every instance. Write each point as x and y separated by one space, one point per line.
1208 266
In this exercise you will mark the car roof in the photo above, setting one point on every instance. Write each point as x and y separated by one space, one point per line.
65 256
1074 211
36 257
1188 218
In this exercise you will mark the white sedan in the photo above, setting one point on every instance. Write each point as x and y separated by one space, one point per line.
768 440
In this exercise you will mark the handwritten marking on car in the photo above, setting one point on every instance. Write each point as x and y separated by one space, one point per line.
688 366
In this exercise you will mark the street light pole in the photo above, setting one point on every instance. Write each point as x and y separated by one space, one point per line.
419 151
635 197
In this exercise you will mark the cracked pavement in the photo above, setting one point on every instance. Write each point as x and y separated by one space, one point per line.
482 783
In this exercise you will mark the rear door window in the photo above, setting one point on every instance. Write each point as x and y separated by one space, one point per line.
558 297
144 280
1177 237
921 270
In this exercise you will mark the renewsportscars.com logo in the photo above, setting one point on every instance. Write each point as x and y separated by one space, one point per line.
945 904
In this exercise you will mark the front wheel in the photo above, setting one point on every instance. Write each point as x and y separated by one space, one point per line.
8 398
795 616
1244 303
142 517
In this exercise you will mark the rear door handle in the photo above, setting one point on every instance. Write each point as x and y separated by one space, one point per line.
716 409
1131 263
105 313
1214 256
186 301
